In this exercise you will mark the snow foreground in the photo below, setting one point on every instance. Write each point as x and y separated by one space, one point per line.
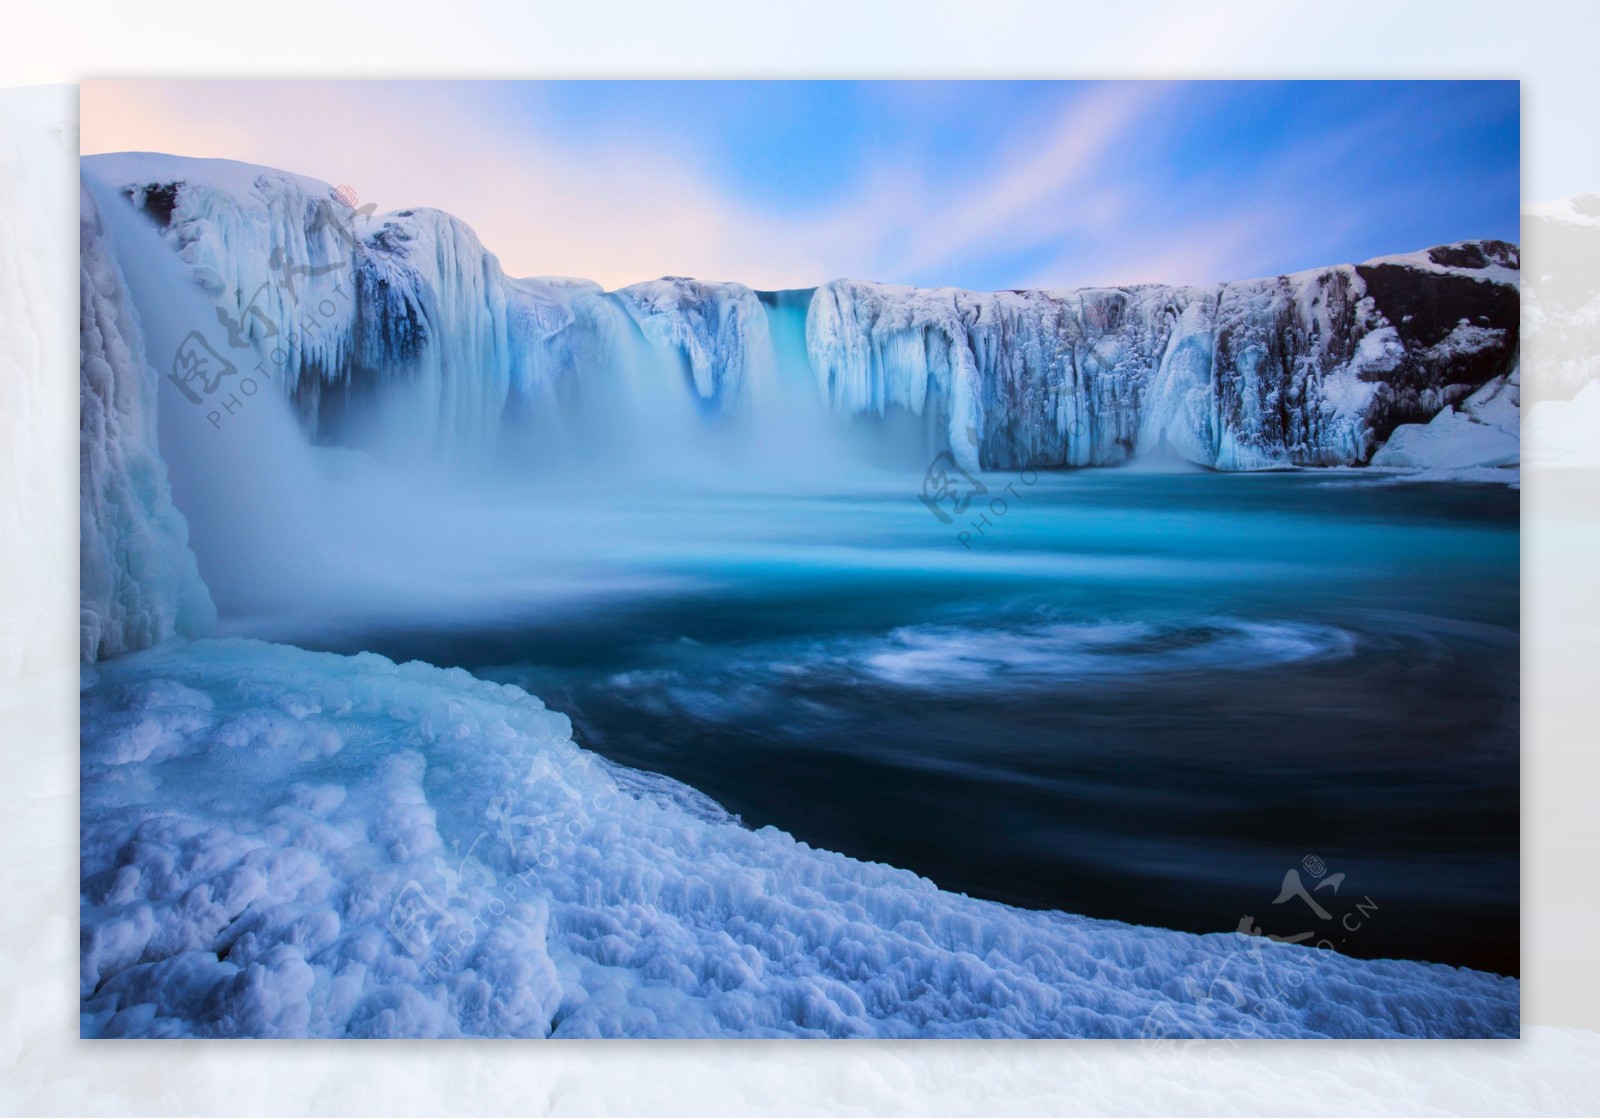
407 315
282 843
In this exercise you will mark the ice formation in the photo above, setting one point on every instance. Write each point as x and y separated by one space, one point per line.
1313 369
407 310
284 843
721 330
139 583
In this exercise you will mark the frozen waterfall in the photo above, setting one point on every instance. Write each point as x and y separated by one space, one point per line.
399 331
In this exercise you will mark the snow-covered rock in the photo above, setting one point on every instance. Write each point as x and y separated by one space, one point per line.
1481 431
139 583
283 843
1496 262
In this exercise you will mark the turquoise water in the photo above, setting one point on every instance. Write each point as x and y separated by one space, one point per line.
1132 695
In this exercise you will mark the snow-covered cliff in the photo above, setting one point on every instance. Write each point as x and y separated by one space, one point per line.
1313 369
407 315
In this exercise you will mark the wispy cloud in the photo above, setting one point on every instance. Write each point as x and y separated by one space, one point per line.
1047 186
613 213
1095 183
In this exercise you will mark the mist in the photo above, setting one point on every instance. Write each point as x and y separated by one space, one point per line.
591 484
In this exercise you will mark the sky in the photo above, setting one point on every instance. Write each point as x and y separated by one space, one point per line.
981 185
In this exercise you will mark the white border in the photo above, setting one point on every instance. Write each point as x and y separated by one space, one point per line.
44 1069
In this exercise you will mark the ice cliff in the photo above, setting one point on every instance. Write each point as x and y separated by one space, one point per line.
720 329
139 583
1312 369
407 311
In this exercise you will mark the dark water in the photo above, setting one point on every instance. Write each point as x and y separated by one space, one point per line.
1139 696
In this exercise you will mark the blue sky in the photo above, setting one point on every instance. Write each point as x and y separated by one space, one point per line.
973 184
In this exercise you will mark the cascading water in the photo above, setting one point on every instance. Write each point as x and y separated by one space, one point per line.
400 333
398 337
239 465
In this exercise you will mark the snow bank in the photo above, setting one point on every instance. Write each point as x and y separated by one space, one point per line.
282 843
1561 433
1483 431
138 580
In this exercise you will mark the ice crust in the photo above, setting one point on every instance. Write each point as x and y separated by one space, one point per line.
284 843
